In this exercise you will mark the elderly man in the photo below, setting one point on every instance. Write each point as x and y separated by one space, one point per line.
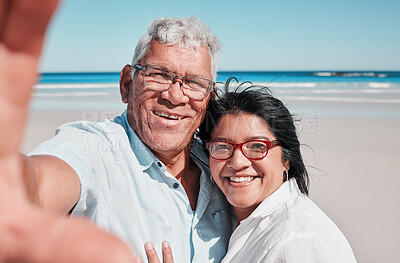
149 179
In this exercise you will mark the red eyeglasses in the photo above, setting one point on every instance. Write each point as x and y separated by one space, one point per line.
252 149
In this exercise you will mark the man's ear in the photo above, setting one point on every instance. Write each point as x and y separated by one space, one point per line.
125 83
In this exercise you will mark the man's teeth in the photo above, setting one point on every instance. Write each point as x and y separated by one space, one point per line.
166 115
241 179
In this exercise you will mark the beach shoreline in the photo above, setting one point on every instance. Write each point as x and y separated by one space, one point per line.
353 180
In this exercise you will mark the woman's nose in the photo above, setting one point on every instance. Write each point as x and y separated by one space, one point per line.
238 160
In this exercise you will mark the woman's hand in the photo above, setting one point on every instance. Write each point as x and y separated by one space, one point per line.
152 253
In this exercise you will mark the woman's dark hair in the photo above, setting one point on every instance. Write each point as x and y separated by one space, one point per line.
257 100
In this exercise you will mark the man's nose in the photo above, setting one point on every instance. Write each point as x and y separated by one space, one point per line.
175 94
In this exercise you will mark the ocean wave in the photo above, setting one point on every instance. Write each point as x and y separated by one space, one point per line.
287 84
340 99
349 74
380 85
76 86
294 84
338 91
329 85
73 94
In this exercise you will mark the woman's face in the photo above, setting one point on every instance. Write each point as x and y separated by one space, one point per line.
246 183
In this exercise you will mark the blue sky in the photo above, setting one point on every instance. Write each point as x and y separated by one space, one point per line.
100 35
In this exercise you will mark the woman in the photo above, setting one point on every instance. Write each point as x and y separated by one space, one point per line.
255 160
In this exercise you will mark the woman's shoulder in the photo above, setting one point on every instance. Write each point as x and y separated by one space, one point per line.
302 215
300 225
295 217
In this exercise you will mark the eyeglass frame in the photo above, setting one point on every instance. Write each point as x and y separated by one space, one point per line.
270 145
141 68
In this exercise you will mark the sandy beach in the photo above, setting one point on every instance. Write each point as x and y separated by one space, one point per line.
351 161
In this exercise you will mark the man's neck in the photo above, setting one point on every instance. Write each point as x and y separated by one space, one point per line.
182 167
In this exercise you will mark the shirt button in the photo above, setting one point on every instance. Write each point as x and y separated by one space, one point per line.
175 185
159 164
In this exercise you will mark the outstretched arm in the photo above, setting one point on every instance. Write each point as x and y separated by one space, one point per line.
23 25
28 234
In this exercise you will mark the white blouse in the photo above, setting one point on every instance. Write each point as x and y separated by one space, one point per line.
288 227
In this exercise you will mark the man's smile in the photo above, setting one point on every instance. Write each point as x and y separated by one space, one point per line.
168 115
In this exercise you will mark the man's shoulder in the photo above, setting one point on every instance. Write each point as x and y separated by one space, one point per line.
106 128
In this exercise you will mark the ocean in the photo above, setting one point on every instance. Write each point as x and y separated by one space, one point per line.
333 93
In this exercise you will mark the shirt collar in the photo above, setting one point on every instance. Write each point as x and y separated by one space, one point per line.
143 154
198 153
287 191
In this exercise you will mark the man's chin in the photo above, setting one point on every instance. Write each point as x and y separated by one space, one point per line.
165 143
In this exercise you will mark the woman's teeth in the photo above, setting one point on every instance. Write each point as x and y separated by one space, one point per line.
241 179
166 115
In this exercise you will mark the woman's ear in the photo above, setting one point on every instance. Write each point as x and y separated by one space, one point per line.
125 83
286 165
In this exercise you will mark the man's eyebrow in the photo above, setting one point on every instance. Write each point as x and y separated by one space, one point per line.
155 66
162 67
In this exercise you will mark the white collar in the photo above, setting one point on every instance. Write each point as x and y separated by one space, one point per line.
287 191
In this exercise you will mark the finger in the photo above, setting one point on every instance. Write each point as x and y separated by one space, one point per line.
167 253
48 238
4 12
22 36
26 23
151 253
137 259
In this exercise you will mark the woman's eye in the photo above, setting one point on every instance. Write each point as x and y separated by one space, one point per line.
258 147
221 147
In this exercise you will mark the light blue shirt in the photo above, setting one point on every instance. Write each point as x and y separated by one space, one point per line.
127 191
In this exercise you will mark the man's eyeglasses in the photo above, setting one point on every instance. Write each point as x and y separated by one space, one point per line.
253 149
161 80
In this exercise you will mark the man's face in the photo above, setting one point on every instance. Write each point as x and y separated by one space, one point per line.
166 121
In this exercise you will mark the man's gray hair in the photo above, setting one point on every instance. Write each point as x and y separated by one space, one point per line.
189 32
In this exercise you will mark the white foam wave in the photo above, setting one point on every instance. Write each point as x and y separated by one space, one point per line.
76 86
338 91
349 74
323 74
287 84
336 99
384 85
73 94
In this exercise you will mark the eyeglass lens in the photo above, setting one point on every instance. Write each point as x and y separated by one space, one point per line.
251 149
161 80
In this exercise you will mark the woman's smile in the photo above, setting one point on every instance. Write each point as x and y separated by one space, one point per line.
245 182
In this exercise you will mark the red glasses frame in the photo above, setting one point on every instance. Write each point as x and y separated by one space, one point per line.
270 145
